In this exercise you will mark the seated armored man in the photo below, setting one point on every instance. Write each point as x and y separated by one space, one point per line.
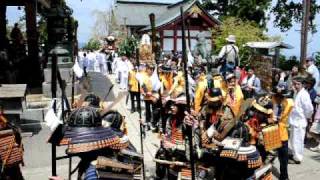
216 119
11 150
173 145
104 151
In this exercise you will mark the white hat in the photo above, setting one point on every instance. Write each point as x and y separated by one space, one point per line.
231 38
111 38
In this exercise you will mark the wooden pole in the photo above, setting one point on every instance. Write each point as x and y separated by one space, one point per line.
185 60
304 31
140 117
54 96
189 38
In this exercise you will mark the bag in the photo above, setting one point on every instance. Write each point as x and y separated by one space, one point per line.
236 60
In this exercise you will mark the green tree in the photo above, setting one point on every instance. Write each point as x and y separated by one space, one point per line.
128 46
251 10
317 58
287 12
245 31
93 44
287 64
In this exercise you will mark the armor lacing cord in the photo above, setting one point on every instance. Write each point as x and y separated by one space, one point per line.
9 153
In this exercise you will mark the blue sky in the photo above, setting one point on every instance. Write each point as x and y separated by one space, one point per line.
82 11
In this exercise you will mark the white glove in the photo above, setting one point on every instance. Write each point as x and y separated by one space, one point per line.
211 131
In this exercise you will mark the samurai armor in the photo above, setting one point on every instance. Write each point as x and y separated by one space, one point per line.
185 174
88 139
251 156
271 137
228 153
11 153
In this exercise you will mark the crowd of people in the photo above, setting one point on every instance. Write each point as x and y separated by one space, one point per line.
217 102
236 126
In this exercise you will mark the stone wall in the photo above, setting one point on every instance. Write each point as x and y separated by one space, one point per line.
263 69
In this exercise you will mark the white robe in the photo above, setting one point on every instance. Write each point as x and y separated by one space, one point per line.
302 110
115 67
100 65
91 61
124 68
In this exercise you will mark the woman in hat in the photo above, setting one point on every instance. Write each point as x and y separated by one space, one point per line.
282 106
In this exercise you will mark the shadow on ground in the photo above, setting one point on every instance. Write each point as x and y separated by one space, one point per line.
100 85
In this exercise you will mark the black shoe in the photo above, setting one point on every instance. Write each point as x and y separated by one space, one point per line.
292 161
133 110
155 129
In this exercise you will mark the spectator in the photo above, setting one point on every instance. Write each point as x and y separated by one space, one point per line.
301 111
251 84
315 130
310 82
313 70
229 55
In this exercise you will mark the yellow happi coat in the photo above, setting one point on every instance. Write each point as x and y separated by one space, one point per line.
200 92
234 99
178 85
133 82
287 105
166 80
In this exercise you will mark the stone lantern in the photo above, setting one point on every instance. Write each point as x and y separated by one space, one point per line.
64 64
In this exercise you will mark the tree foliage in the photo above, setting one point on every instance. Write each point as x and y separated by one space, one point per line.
128 46
287 12
93 44
287 64
251 10
317 58
245 31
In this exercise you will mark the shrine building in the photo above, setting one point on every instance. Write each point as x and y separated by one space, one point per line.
134 15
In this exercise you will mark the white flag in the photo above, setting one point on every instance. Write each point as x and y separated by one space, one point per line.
51 119
156 83
190 59
77 69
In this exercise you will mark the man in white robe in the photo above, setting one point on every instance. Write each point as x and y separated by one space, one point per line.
100 62
123 66
301 111
91 61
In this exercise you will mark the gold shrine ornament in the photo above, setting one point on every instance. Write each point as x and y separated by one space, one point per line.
195 11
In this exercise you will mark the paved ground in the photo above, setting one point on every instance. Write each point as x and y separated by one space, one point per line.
38 152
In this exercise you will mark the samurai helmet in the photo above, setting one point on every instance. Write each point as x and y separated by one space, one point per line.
94 100
112 119
263 104
214 95
84 117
